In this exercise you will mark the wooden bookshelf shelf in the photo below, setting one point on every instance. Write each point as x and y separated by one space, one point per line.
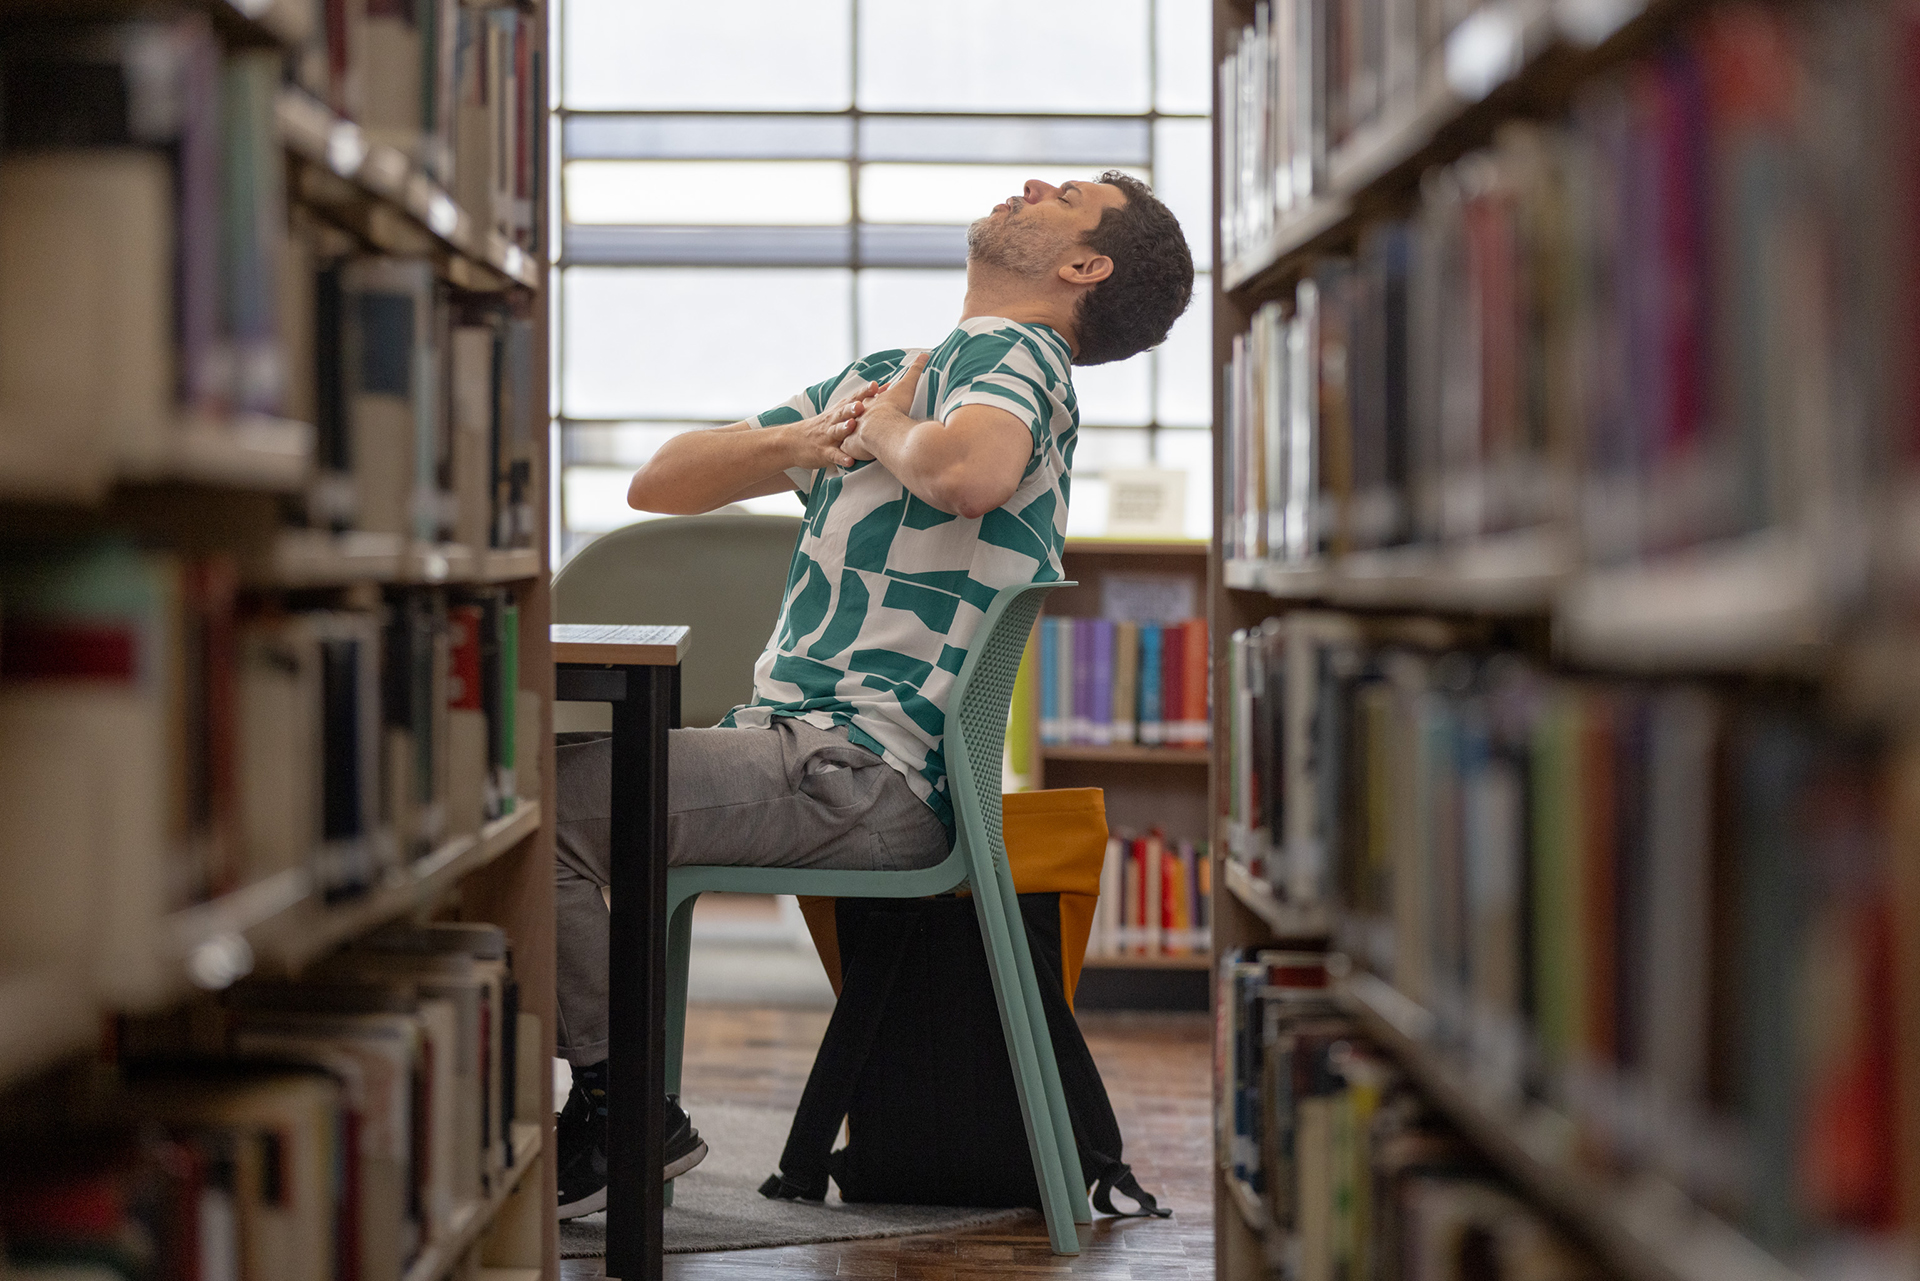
1539 37
1136 547
250 451
1288 921
247 452
508 566
1129 754
1757 602
1181 961
391 202
440 1258
315 558
286 925
1646 1231
1519 573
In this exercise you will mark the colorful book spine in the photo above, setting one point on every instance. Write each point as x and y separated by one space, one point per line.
1100 681
1152 728
1083 674
1173 670
1126 683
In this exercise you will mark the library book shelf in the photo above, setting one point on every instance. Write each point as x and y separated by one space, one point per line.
276 917
1154 787
1565 786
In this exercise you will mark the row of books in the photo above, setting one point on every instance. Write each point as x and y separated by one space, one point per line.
1577 327
180 745
1303 79
454 86
295 1132
1614 896
1356 1176
423 400
1109 683
144 212
1156 898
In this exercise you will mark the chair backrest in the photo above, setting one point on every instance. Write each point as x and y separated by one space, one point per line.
977 712
724 575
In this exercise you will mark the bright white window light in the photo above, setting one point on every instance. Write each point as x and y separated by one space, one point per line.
959 194
708 193
780 55
1004 56
908 308
700 343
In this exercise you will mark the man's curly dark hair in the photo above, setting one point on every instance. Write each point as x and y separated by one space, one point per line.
1152 281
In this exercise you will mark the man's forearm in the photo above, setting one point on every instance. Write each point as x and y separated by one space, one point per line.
928 457
967 465
698 471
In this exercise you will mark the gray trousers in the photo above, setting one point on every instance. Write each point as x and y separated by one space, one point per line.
787 796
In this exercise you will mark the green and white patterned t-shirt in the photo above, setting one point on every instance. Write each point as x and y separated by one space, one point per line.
885 591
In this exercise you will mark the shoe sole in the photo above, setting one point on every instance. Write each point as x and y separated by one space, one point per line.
588 1204
681 1165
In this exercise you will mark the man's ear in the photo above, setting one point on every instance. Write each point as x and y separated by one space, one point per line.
1090 270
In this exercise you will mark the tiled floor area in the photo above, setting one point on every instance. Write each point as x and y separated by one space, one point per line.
1157 1073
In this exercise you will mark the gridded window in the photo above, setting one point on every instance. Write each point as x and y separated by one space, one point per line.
754 195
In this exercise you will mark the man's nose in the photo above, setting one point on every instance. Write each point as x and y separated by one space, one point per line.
1035 191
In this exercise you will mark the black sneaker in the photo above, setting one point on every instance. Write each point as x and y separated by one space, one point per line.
581 1131
582 1134
685 1147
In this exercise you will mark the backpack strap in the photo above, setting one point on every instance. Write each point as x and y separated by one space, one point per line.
866 985
1120 1179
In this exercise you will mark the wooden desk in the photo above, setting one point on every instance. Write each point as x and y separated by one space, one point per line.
637 670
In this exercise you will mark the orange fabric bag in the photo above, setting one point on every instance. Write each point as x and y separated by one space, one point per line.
1056 842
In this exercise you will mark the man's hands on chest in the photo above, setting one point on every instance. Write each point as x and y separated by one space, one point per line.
968 465
821 441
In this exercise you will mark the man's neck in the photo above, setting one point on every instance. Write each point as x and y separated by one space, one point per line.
998 293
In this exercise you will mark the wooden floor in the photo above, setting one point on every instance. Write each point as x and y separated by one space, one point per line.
1157 1073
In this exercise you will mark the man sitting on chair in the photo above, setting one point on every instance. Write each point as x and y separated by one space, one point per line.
931 481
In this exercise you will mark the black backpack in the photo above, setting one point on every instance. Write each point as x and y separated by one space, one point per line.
915 1061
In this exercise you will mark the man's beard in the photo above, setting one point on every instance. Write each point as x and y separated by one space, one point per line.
1017 249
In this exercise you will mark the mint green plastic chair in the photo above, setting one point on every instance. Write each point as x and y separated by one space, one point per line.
976 734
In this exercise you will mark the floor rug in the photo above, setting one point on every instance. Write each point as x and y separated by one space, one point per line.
718 1206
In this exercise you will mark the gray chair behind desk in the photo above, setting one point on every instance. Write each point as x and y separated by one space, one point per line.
723 575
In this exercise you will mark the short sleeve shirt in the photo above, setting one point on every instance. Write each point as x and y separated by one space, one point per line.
885 591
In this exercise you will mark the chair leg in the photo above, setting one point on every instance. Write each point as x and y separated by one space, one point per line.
679 950
1043 1044
1056 1199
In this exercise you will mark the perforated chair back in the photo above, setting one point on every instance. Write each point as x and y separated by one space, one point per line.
977 715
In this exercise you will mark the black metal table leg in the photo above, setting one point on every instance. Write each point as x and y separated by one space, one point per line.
637 984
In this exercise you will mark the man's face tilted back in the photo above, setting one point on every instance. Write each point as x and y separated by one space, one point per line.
1035 233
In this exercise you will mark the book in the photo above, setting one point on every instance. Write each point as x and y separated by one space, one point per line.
1126 683
1152 726
1100 680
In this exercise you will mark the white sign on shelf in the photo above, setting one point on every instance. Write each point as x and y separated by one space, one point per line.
1146 503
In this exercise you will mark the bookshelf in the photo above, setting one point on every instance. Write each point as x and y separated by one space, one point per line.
1650 700
1147 786
276 649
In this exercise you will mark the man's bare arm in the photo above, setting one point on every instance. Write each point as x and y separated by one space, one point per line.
968 465
698 471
